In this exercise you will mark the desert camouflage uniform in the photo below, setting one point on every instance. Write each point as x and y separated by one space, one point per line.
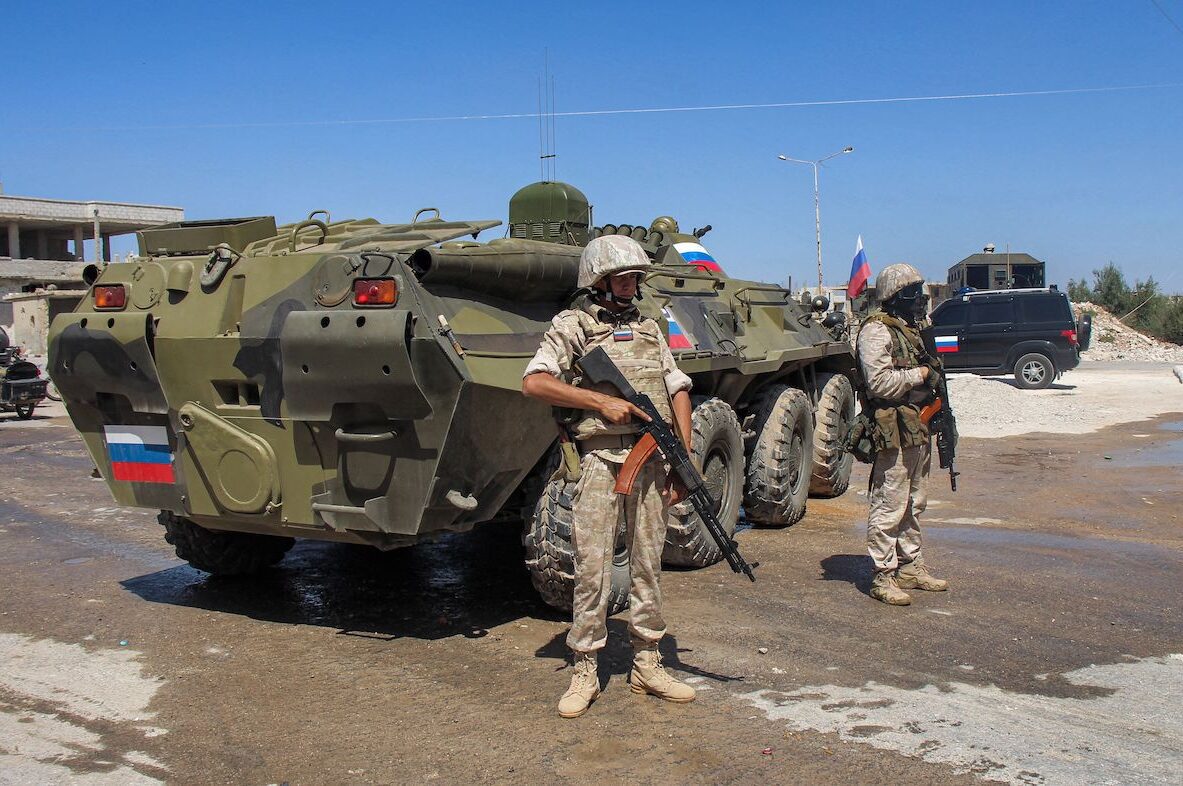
899 476
599 513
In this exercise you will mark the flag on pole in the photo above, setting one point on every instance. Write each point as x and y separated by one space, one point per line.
860 272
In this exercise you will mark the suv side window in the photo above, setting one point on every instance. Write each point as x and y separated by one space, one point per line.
998 312
1045 308
951 315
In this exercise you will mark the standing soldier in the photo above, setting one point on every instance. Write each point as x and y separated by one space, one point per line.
611 268
898 377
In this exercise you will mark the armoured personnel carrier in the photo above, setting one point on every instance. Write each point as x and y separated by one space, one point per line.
358 381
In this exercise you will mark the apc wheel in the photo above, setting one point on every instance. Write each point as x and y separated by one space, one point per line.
1034 371
716 445
222 553
780 463
835 412
25 411
550 557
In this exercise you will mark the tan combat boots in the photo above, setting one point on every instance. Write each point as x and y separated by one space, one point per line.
649 676
884 588
585 686
915 575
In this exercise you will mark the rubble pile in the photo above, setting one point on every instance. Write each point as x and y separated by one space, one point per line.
1114 340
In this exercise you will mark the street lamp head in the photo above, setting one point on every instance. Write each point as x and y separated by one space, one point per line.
783 157
848 150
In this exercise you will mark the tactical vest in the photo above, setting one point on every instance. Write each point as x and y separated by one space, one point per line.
639 359
897 423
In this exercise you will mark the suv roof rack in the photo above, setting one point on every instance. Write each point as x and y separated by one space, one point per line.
1052 288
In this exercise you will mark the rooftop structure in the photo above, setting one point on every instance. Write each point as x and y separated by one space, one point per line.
42 241
36 228
990 270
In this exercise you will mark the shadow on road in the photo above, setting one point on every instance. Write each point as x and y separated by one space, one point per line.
1014 384
462 585
852 568
617 656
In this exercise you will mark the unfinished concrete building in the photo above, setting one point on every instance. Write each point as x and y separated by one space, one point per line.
42 241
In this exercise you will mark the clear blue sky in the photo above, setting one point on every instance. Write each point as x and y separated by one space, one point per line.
157 102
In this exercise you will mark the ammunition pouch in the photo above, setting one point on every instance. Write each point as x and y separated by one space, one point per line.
569 466
860 441
899 427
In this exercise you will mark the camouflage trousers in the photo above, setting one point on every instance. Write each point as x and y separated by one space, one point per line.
899 494
599 513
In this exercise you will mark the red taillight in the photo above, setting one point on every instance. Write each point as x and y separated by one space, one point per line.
110 297
1071 336
375 292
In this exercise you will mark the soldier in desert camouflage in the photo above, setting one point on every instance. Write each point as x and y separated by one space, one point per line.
898 377
610 269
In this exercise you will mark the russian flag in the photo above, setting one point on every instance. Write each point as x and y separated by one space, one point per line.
678 337
139 454
860 272
945 343
699 257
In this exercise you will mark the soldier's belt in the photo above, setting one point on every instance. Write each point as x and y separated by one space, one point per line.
607 442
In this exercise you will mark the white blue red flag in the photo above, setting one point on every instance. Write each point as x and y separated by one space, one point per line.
695 254
945 343
139 454
679 338
860 272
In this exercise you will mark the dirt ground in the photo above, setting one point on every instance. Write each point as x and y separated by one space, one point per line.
1057 657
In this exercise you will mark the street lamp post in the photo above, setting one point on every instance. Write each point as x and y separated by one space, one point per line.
817 209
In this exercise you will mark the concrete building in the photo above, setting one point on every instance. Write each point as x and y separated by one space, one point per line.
991 270
33 311
42 241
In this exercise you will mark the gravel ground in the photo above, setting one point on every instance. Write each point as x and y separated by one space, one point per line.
1088 398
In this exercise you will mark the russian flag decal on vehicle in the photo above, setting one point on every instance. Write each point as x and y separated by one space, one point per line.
699 257
945 343
678 337
139 454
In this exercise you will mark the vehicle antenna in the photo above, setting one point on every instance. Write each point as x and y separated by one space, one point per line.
541 144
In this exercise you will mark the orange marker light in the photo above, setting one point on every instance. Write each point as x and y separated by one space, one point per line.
375 292
110 297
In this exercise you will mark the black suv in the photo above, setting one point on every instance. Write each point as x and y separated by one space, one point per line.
1028 332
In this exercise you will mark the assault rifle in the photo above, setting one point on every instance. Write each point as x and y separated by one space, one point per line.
938 416
599 368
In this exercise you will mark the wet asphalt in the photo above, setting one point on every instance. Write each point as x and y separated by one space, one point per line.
439 663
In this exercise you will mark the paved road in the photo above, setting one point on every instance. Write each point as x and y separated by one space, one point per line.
1056 658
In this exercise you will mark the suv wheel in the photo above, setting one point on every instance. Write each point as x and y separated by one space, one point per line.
1034 371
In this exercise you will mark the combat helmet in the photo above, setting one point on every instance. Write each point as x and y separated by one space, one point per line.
608 255
893 278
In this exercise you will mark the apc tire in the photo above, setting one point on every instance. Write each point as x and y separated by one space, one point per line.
1034 371
716 445
222 553
550 556
25 411
835 412
780 463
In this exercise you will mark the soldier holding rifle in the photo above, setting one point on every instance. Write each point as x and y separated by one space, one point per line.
606 431
897 378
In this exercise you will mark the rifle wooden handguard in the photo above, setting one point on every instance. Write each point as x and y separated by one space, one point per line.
641 452
929 410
